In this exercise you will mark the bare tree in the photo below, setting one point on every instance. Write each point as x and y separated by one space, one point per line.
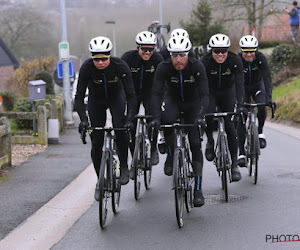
253 12
27 32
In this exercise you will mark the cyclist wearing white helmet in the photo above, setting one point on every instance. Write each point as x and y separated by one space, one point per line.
258 86
224 70
143 63
110 87
176 33
181 83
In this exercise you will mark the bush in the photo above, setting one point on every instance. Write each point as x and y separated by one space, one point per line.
25 105
47 78
284 56
9 100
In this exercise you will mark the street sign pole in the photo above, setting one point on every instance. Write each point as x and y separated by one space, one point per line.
64 54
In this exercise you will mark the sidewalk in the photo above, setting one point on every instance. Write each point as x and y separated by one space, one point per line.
33 183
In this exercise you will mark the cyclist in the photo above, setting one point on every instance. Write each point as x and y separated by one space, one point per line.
186 91
143 63
258 85
224 70
176 33
110 86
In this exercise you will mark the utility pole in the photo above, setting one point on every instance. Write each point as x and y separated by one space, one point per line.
160 15
64 54
114 36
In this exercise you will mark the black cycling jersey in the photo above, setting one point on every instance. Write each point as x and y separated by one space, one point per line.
104 84
166 54
225 75
142 71
256 71
184 86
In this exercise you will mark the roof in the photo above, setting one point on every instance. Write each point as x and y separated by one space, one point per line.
6 57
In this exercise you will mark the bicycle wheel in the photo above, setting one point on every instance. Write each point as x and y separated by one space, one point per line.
189 192
224 168
249 145
148 170
116 193
178 187
103 187
255 155
138 169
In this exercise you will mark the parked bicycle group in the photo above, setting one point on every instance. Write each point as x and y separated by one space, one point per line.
182 96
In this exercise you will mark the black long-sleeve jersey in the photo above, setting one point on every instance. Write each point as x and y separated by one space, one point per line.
104 84
184 86
142 71
225 75
257 70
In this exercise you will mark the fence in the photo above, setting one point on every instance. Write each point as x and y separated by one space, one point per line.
52 110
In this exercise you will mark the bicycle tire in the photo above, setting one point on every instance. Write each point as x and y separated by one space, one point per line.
103 187
255 156
178 187
116 193
147 171
189 192
249 145
138 169
224 168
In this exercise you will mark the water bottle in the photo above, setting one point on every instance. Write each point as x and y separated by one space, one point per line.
116 165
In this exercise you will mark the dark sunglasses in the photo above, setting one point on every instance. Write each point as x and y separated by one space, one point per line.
145 49
218 51
102 58
179 54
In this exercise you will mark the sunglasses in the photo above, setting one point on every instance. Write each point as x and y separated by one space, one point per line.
179 54
102 58
145 49
248 50
218 51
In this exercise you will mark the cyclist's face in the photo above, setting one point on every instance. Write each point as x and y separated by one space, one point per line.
180 61
101 61
219 54
145 51
248 55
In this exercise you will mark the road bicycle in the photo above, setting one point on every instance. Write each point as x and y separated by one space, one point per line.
222 154
252 147
156 28
141 160
108 181
183 176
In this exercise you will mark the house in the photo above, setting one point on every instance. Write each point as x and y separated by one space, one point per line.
8 63
276 28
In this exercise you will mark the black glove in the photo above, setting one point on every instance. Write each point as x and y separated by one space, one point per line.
155 124
200 122
83 125
129 125
269 103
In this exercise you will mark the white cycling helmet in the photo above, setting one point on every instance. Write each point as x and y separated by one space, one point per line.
179 32
179 44
100 44
248 42
219 41
146 38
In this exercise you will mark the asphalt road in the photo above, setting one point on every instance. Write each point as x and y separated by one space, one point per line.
256 217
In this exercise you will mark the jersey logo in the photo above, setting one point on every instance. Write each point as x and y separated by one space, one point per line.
98 81
134 70
151 70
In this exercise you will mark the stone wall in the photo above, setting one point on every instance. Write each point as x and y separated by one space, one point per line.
5 74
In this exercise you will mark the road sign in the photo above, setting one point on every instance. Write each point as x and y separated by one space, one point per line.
64 51
59 69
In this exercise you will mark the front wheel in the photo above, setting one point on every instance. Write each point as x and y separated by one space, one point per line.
224 169
116 194
103 187
179 188
138 161
189 192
